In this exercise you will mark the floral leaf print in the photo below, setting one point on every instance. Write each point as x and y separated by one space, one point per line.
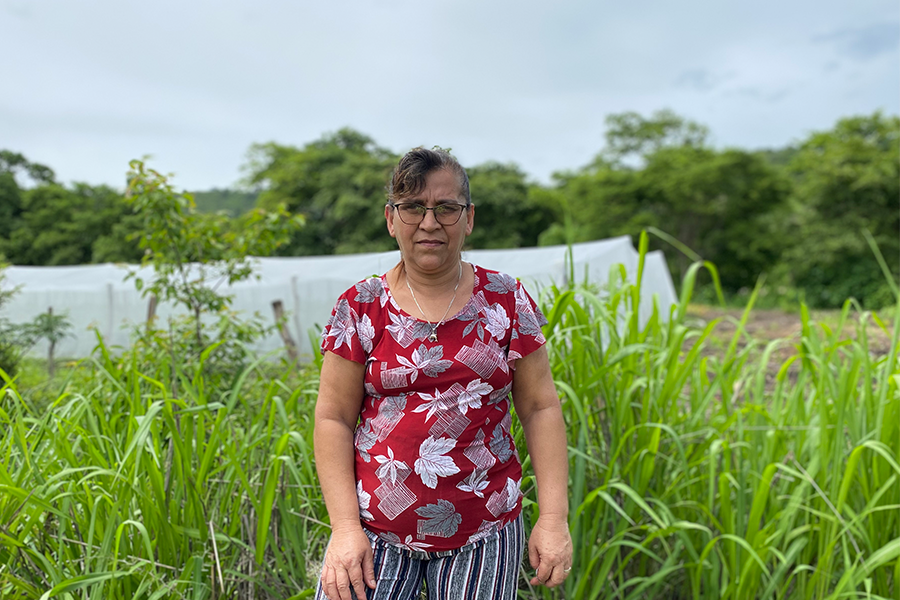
471 397
370 290
390 537
401 329
428 360
390 469
530 322
432 463
364 498
475 483
431 360
441 401
365 439
441 519
529 325
498 396
471 310
468 313
421 330
477 323
409 368
500 444
411 544
432 404
496 321
500 283
342 328
513 493
504 500
366 332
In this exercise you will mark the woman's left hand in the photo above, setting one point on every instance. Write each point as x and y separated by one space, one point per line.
550 551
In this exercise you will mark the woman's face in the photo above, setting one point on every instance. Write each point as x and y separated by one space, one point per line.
430 247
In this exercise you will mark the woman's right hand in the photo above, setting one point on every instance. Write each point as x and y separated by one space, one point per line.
349 563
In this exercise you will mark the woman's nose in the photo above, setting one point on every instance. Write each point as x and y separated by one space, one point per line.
429 221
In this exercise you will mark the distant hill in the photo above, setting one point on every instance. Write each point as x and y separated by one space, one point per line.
233 202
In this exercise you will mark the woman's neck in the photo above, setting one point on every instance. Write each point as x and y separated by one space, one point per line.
438 282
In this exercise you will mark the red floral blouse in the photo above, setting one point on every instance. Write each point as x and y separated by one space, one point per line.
436 466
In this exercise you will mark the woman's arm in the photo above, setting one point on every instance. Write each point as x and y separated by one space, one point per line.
538 408
348 560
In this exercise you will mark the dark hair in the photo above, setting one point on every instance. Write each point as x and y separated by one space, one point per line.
410 173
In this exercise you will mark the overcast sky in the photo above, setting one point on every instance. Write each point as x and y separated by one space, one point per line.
88 85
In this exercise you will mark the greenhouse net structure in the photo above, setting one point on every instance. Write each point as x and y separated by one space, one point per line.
101 299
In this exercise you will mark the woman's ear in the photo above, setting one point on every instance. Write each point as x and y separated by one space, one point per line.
388 217
470 219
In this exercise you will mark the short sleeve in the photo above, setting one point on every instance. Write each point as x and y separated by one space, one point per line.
527 335
348 334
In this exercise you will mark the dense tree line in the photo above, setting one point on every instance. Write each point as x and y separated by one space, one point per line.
798 214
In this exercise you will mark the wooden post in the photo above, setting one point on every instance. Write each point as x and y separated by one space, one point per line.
51 363
289 343
151 311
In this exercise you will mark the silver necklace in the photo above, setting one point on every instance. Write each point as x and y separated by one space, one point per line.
434 326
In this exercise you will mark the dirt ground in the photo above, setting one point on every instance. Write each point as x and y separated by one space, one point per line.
766 325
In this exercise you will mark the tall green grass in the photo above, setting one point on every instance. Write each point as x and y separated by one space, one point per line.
697 471
700 472
151 484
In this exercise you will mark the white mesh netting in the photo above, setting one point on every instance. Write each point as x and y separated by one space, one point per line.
96 297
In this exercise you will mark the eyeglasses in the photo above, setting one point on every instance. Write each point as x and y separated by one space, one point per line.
413 213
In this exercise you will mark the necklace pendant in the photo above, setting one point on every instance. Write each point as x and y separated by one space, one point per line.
432 337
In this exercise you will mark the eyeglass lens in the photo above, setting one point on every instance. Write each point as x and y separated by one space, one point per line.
413 214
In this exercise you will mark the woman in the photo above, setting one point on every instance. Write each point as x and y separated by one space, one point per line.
412 437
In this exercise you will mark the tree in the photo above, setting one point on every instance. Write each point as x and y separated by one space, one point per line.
722 204
46 223
50 327
10 204
337 183
65 226
846 180
17 338
659 172
12 164
192 255
508 214
629 135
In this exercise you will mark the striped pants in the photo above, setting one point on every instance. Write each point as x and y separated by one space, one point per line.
485 570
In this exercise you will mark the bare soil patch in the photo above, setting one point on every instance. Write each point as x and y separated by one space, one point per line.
767 325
